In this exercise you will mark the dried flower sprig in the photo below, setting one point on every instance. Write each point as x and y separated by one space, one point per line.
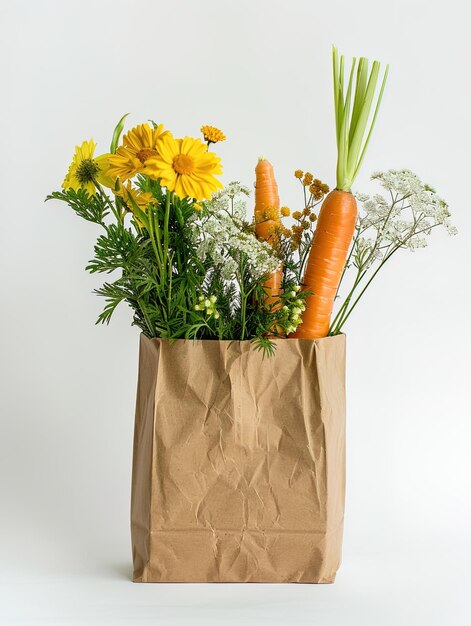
293 243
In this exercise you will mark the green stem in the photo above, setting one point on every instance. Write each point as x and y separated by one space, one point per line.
243 313
386 258
108 202
339 326
166 221
338 318
347 262
170 281
243 301
303 260
155 237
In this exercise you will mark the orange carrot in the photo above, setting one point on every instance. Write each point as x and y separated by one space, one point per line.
267 218
338 214
266 230
266 189
331 241
273 290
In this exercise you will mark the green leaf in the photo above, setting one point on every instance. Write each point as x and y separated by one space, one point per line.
117 134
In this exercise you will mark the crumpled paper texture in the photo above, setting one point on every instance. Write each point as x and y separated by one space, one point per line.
239 461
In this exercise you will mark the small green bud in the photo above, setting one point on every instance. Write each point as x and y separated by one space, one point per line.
213 299
207 303
216 315
201 298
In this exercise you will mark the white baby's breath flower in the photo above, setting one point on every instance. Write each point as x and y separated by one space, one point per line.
403 181
234 189
405 218
228 269
416 241
223 235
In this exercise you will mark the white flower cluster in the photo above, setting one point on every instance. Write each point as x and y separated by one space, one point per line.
405 219
222 235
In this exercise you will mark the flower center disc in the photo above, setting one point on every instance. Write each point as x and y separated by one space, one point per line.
183 164
87 171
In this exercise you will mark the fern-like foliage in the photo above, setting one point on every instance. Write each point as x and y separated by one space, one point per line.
91 208
117 248
114 293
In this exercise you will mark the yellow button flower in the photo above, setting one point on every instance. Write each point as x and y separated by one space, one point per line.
212 134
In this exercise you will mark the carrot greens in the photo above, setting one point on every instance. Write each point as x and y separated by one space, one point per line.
353 124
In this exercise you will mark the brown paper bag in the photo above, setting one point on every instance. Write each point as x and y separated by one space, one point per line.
239 461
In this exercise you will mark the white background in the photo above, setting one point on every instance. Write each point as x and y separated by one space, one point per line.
261 71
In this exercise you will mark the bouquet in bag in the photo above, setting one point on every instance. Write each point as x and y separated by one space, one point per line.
197 260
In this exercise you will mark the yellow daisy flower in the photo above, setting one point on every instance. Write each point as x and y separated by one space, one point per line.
139 144
185 167
135 199
212 134
86 170
142 199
